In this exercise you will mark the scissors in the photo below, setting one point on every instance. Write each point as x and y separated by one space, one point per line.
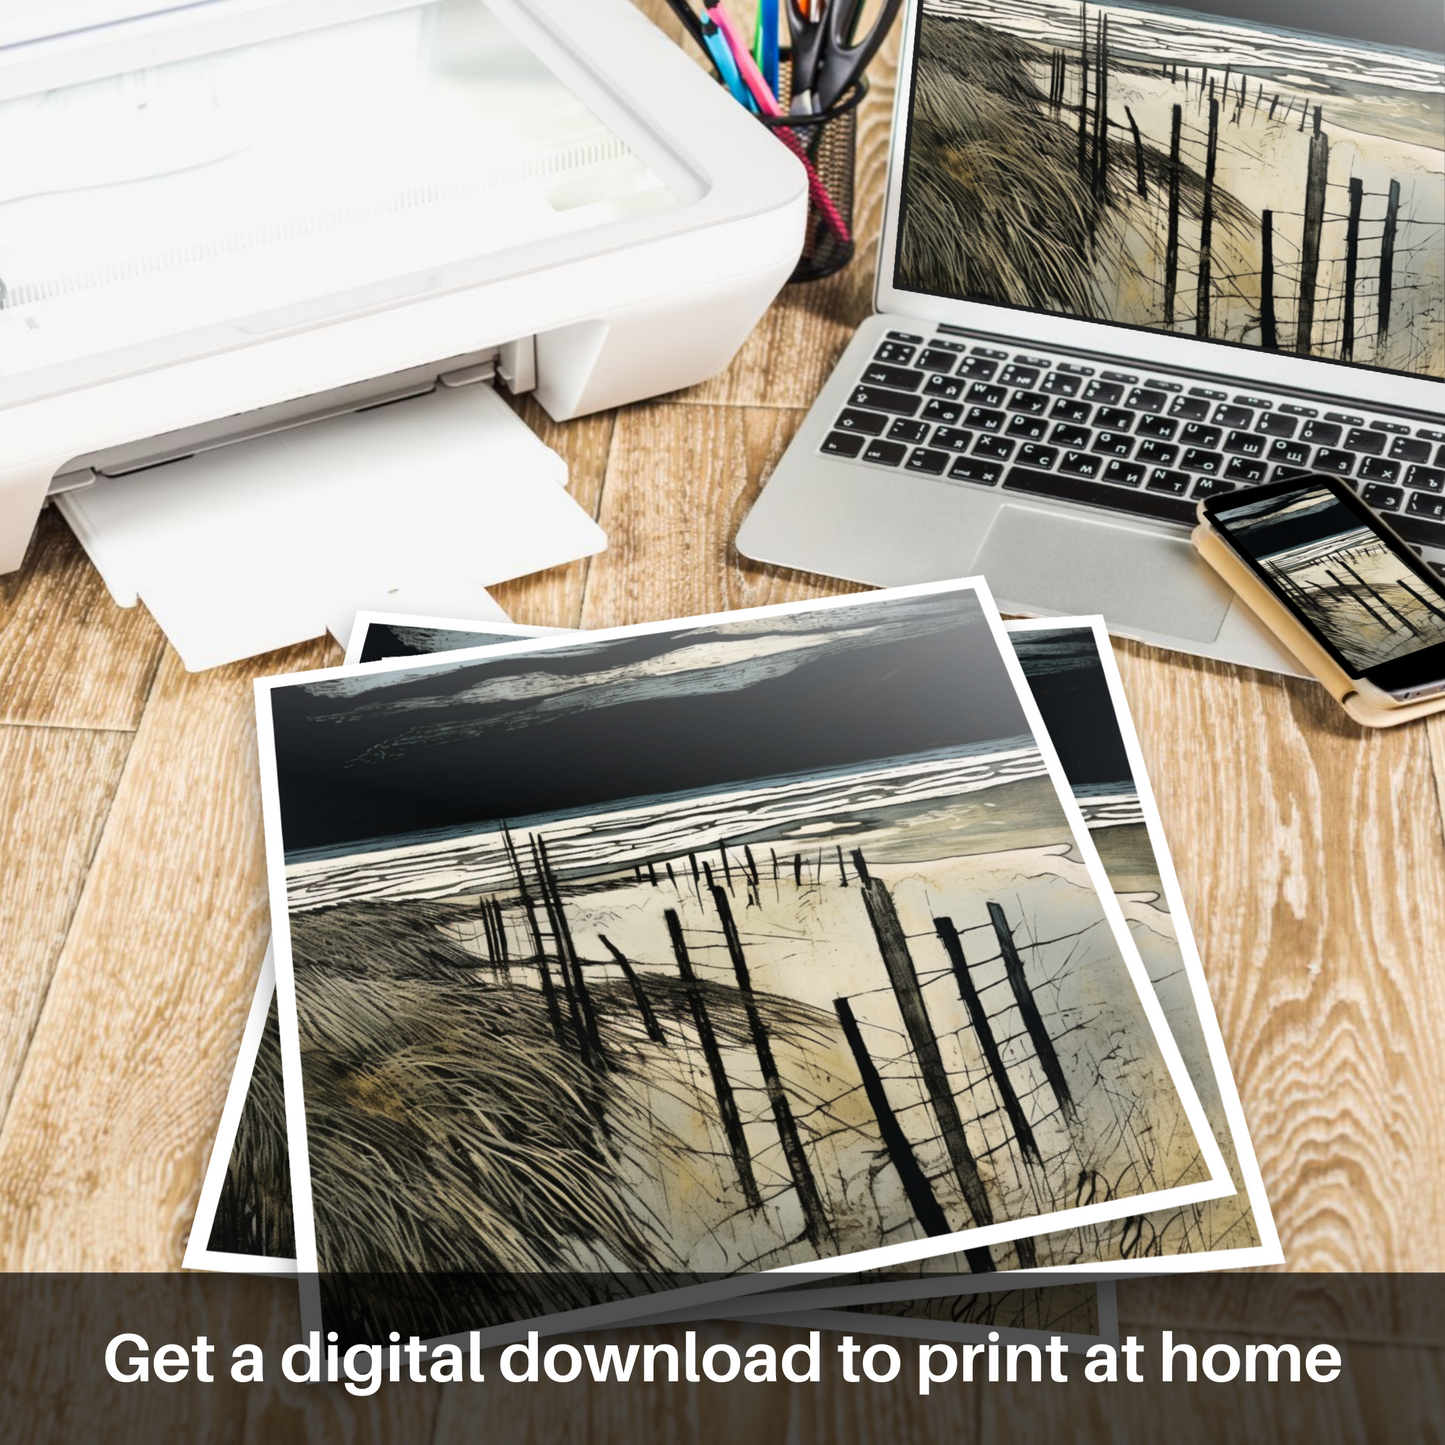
827 55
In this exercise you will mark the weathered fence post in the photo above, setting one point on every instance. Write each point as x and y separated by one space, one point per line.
1316 183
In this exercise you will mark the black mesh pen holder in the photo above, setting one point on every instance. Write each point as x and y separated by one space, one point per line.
826 143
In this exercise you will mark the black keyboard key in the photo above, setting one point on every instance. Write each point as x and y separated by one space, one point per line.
1199 460
1160 427
878 398
1081 464
843 444
936 409
1041 457
1212 486
1112 444
1099 494
981 394
1144 398
940 343
1245 444
1331 459
1293 410
933 359
1019 375
1235 416
1195 435
905 336
977 368
907 430
982 419
867 422
990 351
1376 469
1190 408
895 353
1124 474
886 454
1407 449
1321 433
1163 480
877 374
1288 453
1156 454
1059 383
953 438
1128 378
1344 418
1114 418
1371 443
1382 499
1395 428
1423 505
1272 424
1030 428
1069 366
1034 403
924 459
996 449
1426 479
1075 411
950 388
1070 436
971 469
1430 434
1107 392
1245 469
1440 457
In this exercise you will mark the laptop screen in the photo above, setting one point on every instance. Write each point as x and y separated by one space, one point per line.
1271 174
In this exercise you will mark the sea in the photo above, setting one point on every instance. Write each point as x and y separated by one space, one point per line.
802 811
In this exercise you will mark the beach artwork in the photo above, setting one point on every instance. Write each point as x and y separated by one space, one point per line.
1340 577
1192 173
674 955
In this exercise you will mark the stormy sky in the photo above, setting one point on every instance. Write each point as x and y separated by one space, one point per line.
593 723
1280 524
1068 683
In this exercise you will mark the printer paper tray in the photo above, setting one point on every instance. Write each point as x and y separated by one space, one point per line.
416 506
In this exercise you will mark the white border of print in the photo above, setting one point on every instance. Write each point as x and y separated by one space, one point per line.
1217 1185
198 1254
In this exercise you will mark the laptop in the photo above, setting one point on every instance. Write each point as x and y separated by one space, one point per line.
1133 256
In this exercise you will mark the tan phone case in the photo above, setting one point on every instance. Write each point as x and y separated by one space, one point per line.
1280 621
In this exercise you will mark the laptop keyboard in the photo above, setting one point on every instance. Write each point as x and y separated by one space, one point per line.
1142 444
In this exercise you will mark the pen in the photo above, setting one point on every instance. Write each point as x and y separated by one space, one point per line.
688 16
765 42
724 58
768 105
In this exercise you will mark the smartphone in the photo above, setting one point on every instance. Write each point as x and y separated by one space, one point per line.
1339 571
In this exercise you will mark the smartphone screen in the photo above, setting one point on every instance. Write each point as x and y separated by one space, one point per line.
1368 600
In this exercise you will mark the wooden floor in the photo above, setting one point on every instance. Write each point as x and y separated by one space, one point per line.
133 908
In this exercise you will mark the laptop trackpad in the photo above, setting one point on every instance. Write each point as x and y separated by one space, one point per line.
1073 565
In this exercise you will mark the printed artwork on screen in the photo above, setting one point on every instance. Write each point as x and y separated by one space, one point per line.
1170 169
1339 576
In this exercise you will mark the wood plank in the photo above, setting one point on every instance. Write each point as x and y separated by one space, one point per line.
554 598
56 786
114 1112
1311 857
69 657
679 481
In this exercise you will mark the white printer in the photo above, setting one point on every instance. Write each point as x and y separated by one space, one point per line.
225 219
